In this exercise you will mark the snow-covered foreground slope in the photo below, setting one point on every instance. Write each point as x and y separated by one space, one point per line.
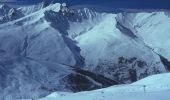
135 91
162 79
161 95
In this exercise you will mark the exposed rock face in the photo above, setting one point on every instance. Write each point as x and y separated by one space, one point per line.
127 70
165 62
84 80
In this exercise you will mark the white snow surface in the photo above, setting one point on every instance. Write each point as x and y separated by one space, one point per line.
160 79
135 91
153 28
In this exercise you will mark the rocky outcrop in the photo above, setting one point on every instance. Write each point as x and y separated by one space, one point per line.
8 14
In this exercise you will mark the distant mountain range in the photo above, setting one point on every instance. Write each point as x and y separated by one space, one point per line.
138 4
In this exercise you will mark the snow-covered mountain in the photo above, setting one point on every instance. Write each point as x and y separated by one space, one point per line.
9 14
153 28
56 48
41 61
28 9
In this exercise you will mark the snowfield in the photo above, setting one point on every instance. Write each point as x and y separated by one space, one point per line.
155 90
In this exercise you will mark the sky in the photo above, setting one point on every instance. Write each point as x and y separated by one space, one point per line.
163 4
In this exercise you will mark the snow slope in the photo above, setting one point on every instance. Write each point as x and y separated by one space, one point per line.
159 79
153 28
133 91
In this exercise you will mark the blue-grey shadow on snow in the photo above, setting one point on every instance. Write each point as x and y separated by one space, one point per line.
60 22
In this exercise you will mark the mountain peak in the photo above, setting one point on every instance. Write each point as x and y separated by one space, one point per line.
8 13
4 6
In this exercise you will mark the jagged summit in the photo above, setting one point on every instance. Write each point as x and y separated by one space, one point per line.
4 6
8 14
